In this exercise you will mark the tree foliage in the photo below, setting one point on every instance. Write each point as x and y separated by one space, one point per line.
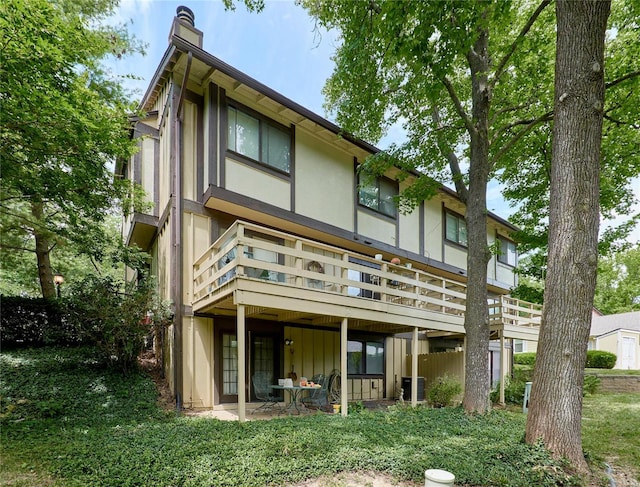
526 184
618 285
62 124
468 81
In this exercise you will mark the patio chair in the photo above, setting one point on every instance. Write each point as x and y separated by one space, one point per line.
261 382
318 398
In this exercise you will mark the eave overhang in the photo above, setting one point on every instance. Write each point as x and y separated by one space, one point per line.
143 231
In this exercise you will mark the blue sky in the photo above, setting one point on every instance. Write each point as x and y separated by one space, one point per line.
279 47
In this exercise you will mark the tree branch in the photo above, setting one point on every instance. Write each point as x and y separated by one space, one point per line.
512 48
452 159
507 147
505 128
627 76
512 108
620 122
458 105
15 247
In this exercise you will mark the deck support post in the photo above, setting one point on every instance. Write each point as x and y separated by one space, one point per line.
503 368
344 389
241 364
414 367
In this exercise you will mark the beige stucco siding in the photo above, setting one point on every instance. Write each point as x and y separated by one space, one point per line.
505 274
190 148
257 184
147 166
164 184
324 183
196 240
207 122
164 262
376 227
433 229
455 256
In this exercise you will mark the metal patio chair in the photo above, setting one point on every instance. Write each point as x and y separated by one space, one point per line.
261 382
318 398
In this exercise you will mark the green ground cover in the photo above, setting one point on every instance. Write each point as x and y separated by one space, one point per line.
611 429
66 420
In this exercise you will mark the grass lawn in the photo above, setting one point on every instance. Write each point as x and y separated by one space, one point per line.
66 420
611 429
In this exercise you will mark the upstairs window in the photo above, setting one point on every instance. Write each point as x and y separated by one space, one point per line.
259 139
508 254
378 195
455 229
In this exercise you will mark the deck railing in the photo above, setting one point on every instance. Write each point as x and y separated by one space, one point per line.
251 251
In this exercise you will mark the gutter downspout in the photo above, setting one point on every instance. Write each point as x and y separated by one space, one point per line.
177 237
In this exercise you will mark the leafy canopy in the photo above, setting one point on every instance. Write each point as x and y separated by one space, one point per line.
63 122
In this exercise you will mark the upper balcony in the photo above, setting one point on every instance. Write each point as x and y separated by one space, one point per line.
288 278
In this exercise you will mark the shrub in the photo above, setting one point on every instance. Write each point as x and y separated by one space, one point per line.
598 359
443 390
513 391
522 373
526 358
31 322
116 322
591 384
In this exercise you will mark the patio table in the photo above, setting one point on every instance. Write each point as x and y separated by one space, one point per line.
294 394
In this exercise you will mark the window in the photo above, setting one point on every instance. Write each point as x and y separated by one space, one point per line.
379 195
365 357
456 229
259 139
229 364
507 253
519 346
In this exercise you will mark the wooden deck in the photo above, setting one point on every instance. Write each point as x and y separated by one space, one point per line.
283 277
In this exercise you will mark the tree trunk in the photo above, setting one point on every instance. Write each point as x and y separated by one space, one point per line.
476 319
45 274
555 408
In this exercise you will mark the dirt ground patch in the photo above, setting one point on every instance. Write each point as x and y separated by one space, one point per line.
623 476
355 479
149 363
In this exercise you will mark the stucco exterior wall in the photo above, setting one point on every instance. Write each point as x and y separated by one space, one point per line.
324 181
376 227
433 229
454 255
196 236
189 150
258 184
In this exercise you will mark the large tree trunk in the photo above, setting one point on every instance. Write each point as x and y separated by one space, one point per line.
476 320
556 397
45 274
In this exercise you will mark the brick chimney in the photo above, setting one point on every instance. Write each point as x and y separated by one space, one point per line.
183 26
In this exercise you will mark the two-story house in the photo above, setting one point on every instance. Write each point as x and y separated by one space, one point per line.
277 258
